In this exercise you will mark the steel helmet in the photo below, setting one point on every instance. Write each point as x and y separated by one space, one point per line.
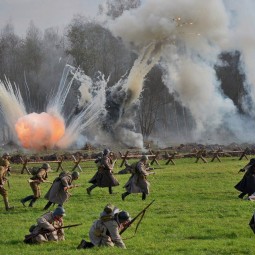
46 166
144 158
6 154
75 175
123 216
106 151
59 211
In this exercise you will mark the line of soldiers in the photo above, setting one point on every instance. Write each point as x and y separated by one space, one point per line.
106 230
104 177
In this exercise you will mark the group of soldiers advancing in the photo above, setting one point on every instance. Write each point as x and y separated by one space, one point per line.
137 182
106 230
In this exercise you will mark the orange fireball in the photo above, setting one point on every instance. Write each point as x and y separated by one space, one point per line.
40 131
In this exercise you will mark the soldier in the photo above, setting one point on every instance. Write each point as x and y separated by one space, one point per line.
39 176
47 228
104 175
58 192
138 183
5 161
247 184
3 191
105 230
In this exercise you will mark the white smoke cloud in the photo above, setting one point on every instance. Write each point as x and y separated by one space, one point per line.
192 35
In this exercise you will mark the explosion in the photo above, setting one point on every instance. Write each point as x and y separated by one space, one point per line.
39 131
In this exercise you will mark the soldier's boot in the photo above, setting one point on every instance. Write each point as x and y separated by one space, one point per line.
110 190
24 200
143 196
47 206
7 206
242 195
90 188
124 195
85 245
32 201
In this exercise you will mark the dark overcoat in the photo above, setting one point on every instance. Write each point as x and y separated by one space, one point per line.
104 175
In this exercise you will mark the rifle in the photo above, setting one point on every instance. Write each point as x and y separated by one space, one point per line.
72 186
140 213
29 181
29 237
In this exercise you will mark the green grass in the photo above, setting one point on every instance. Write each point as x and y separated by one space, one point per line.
196 211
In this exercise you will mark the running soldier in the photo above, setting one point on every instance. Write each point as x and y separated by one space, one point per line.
137 182
58 192
104 175
39 176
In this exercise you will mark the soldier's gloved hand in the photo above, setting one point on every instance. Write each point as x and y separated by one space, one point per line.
241 170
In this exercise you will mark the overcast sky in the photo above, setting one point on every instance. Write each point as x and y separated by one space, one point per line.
44 13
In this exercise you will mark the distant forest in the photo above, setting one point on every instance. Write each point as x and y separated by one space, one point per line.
37 62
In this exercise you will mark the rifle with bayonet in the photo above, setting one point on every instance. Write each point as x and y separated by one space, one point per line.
28 238
141 213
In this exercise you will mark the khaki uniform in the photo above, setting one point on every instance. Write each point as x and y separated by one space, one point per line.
41 176
46 222
3 191
105 232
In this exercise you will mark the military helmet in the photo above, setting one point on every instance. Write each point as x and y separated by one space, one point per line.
144 158
109 208
75 174
106 151
6 154
32 228
123 216
46 166
59 211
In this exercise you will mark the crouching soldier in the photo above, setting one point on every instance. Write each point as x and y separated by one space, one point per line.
106 230
48 228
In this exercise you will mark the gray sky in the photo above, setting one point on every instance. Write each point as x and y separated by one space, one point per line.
44 13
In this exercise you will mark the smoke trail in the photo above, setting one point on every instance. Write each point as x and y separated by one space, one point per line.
11 104
194 34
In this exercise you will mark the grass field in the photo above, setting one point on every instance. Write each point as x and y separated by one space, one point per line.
196 211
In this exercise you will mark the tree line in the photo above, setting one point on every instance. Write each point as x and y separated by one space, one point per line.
37 62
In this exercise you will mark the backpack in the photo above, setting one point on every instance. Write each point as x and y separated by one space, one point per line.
34 170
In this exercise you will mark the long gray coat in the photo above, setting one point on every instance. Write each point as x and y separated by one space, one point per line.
104 176
56 194
138 183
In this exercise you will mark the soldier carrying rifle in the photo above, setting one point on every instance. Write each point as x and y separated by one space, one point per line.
104 175
49 227
58 192
39 175
107 230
